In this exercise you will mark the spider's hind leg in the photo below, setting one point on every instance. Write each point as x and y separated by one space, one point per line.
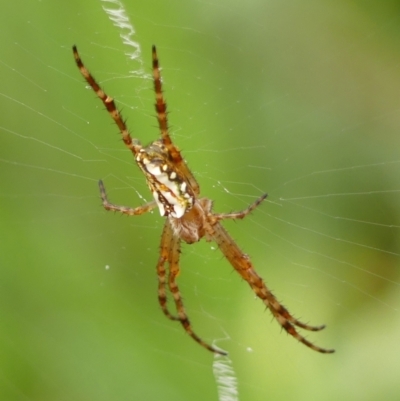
161 110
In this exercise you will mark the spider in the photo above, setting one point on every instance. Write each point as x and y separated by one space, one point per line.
189 217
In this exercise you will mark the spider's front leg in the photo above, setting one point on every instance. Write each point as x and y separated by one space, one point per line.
242 264
170 253
124 209
165 252
279 309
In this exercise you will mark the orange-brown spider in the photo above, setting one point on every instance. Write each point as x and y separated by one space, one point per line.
188 217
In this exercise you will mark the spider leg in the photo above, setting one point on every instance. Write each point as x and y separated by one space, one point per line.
166 241
173 262
124 209
161 110
133 144
242 264
241 214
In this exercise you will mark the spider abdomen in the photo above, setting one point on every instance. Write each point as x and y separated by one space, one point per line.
173 195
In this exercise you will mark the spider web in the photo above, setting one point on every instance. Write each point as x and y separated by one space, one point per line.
300 101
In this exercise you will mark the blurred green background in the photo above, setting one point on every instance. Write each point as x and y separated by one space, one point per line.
298 99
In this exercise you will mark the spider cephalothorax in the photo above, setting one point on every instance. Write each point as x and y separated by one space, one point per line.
188 216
